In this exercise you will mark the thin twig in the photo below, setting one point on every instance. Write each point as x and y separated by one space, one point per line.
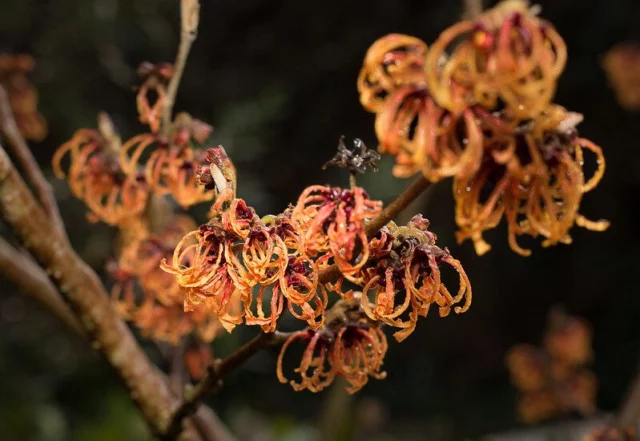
32 280
212 382
190 13
337 411
471 9
352 181
29 165
629 413
210 427
176 369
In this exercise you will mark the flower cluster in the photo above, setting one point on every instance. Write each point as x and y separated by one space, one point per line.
96 177
173 160
123 184
117 179
477 106
349 345
149 297
553 380
622 65
279 260
612 433
321 260
23 96
404 279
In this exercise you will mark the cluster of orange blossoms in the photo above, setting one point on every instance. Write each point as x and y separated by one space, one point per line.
477 106
173 279
612 433
553 381
116 180
23 96
622 65
247 269
119 184
149 297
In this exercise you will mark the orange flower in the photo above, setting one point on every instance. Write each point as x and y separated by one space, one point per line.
527 366
173 164
95 177
200 264
333 220
568 339
421 135
154 85
552 381
507 54
392 62
353 350
622 65
23 96
151 298
402 284
533 176
282 270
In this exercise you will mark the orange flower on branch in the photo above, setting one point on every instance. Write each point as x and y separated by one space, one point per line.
348 346
332 220
613 433
152 92
297 286
170 323
506 55
622 66
392 62
410 125
151 298
402 284
96 178
553 380
200 264
285 273
533 175
23 96
174 162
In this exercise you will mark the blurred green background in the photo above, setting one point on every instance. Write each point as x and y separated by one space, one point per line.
277 81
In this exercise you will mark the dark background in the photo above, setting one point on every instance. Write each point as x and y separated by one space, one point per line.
277 80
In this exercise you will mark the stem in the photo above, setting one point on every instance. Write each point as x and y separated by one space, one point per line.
397 206
352 180
176 369
28 163
32 280
210 427
190 12
213 380
471 9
